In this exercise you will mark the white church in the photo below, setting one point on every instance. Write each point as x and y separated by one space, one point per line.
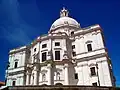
67 55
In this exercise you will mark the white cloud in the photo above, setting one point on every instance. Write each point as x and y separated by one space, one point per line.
17 36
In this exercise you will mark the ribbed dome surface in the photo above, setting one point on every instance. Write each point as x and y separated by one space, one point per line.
64 20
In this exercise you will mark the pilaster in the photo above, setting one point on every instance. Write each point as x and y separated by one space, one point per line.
50 76
66 67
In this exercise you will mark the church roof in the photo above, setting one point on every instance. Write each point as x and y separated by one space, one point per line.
64 19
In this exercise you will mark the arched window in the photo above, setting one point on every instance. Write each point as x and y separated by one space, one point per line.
44 85
92 70
76 75
44 56
59 84
89 47
94 84
57 76
43 77
74 53
16 64
13 83
72 33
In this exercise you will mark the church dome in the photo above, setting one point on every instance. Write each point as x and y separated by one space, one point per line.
64 20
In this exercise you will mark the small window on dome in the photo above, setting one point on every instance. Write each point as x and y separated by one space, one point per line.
65 22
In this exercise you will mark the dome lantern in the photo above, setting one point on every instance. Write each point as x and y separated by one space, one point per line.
64 12
64 20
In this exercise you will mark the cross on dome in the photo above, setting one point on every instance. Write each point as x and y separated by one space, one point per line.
64 12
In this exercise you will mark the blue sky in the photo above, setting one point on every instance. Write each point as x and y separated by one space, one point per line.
21 21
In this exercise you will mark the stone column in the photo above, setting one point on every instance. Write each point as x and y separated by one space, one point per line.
66 74
32 79
49 55
49 75
27 78
35 76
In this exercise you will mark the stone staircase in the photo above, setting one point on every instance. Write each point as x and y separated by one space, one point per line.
64 87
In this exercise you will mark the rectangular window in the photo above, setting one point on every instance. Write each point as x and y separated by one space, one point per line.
76 75
89 46
57 55
94 84
44 45
57 43
43 56
92 71
13 83
73 46
16 64
74 54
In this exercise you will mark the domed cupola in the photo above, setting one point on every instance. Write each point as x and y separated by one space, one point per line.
64 20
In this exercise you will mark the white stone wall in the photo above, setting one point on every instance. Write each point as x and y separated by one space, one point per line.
95 39
83 69
17 78
18 56
83 60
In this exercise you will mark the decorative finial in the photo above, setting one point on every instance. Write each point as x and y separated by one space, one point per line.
64 12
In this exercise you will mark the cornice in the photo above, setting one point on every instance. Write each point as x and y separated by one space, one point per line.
16 51
89 65
17 72
45 63
20 49
16 68
59 35
91 51
90 57
64 26
89 29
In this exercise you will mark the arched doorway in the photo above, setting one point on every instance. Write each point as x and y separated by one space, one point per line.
58 84
44 85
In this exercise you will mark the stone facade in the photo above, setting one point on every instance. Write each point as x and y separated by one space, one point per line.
67 55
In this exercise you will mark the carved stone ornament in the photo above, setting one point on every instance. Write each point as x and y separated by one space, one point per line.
81 36
65 56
